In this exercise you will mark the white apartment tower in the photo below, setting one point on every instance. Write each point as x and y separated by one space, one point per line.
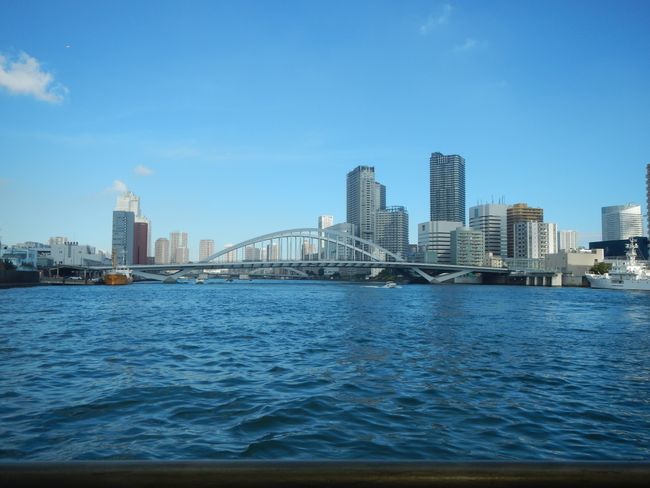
622 222
179 252
567 240
364 197
491 219
325 221
533 240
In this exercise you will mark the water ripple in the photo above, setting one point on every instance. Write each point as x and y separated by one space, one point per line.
324 371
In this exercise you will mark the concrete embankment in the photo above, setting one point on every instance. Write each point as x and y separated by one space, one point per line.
11 278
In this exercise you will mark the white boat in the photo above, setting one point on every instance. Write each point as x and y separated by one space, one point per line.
390 284
199 281
625 275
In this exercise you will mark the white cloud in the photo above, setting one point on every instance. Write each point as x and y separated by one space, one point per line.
117 187
467 45
142 170
436 20
24 76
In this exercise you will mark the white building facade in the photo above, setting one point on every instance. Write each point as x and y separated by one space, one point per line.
620 222
491 219
567 240
179 251
434 240
533 240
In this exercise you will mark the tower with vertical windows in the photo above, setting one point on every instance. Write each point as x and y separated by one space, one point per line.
447 188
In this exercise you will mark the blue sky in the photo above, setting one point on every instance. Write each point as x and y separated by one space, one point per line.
235 119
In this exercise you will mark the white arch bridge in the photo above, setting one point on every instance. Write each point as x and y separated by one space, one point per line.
301 249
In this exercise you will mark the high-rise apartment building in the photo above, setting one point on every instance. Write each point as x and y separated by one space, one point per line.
567 240
231 256
533 240
162 251
364 197
491 219
447 188
179 251
467 247
123 237
325 221
622 222
206 249
520 212
392 230
129 202
140 242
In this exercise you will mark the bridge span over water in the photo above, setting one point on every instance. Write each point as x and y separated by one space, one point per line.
306 248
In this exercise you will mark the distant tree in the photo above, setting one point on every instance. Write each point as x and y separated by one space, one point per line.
600 268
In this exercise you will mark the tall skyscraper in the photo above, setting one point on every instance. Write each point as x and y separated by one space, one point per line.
206 249
162 251
364 197
520 212
622 222
140 242
392 230
179 252
491 219
123 237
447 187
129 202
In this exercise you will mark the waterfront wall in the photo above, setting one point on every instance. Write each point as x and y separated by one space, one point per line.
18 278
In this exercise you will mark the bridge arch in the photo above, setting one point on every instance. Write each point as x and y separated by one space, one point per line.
304 244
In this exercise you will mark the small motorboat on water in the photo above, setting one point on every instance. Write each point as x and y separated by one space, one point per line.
390 284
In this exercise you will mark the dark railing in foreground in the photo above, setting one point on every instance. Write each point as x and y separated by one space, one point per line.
198 474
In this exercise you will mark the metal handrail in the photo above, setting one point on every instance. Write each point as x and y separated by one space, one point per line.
199 474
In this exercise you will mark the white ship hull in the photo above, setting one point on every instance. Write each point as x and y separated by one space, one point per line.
628 275
610 283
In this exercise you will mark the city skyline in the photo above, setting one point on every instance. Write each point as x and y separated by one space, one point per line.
250 127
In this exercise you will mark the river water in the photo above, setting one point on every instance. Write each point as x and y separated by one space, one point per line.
320 370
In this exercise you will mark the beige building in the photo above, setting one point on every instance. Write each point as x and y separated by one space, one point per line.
575 263
206 249
162 251
520 212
